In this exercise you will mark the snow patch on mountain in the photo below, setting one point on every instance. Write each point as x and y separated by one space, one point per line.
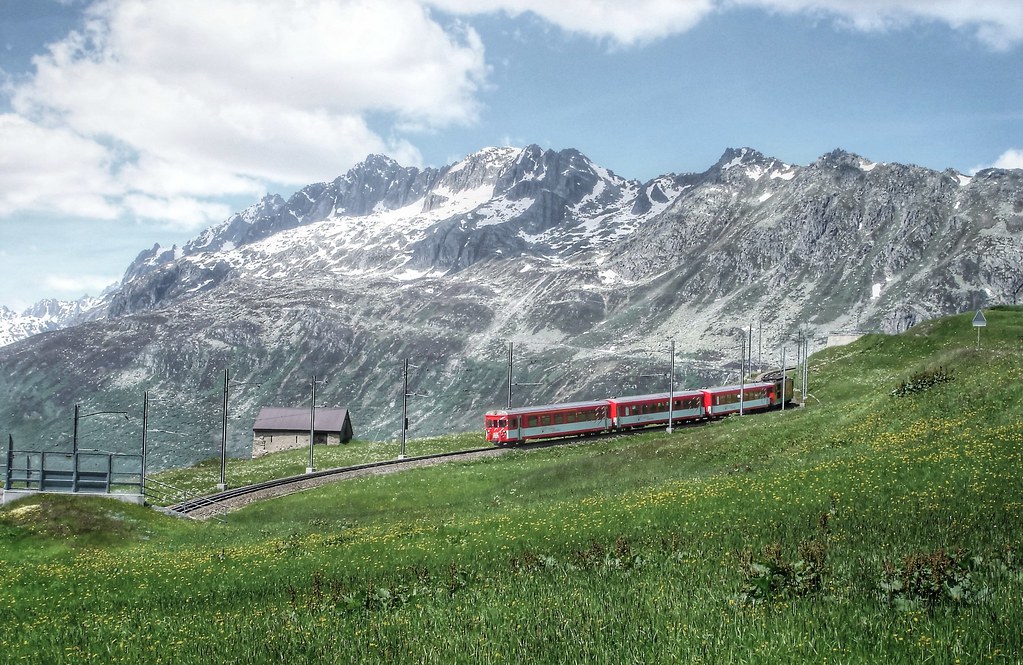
44 316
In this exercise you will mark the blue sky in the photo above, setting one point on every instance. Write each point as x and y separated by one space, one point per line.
129 122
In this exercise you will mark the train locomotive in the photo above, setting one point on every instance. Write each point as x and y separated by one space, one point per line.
617 414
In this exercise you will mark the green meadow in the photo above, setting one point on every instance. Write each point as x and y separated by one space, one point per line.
880 523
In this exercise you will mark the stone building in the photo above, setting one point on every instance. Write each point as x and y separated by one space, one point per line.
278 428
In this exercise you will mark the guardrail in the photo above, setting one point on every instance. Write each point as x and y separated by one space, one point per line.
48 471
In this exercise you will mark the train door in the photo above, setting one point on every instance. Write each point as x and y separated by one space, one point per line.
514 436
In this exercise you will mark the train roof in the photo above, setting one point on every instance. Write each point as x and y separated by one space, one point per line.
677 393
736 386
546 407
625 398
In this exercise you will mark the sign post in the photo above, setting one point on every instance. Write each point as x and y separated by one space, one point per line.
979 322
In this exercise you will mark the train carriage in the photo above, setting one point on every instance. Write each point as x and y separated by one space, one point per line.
509 426
725 400
782 394
644 410
512 426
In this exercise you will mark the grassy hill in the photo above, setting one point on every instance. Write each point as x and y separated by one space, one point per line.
867 527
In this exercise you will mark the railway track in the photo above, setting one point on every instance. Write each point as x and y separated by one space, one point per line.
217 504
207 506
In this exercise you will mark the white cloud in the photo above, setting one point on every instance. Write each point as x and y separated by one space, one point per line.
998 23
624 22
53 169
75 285
1010 159
164 107
179 212
166 103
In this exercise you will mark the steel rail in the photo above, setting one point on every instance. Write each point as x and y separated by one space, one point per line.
198 503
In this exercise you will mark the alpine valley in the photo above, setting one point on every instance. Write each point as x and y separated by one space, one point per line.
588 274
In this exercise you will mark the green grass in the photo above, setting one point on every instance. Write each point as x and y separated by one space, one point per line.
201 479
863 527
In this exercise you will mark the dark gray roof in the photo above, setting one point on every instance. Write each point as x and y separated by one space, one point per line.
297 420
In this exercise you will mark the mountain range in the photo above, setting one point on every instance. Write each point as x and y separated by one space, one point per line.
588 275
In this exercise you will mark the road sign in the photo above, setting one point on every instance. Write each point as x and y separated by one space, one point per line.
979 321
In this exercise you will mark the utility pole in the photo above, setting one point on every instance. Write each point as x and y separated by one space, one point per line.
799 358
312 422
404 403
222 485
806 367
760 344
671 387
783 378
74 440
511 356
145 425
74 434
749 350
742 377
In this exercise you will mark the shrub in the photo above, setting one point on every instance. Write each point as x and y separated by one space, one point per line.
923 381
931 579
772 577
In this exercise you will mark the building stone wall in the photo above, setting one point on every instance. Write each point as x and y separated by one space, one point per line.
272 442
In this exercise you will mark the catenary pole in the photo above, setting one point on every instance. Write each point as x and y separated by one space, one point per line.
404 409
511 357
312 424
671 386
742 377
783 378
145 426
222 485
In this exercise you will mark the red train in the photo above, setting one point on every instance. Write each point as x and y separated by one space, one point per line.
511 426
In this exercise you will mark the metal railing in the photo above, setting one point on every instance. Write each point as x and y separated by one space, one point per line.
98 472
169 494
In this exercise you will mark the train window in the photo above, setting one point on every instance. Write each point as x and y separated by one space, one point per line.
569 417
532 421
502 422
545 419
581 416
513 423
559 419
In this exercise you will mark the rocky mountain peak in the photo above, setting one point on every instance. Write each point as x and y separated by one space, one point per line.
733 157
839 158
584 271
255 222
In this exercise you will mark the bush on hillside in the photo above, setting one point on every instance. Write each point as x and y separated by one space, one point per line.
923 381
931 579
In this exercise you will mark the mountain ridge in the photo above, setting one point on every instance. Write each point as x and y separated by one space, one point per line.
586 272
